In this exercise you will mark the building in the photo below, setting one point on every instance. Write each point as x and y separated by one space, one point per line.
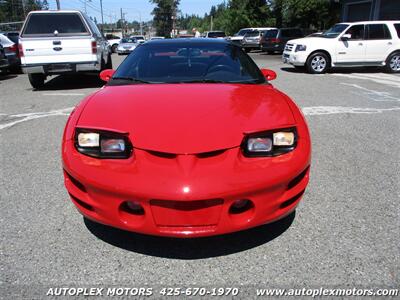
367 10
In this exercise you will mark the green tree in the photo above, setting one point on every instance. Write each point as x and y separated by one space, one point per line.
163 14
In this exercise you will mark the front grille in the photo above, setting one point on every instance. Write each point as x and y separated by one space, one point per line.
289 47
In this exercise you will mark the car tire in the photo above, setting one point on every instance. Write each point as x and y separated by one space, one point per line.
109 62
318 63
37 80
114 48
270 52
393 63
247 50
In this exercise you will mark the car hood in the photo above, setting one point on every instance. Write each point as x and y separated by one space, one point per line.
237 38
187 118
308 40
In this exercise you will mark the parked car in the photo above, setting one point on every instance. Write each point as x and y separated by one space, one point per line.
215 34
172 146
58 42
114 41
139 38
3 60
127 45
157 38
372 43
252 40
185 36
11 53
275 40
238 37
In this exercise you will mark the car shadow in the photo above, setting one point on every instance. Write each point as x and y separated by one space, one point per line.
73 82
277 53
339 70
7 76
191 248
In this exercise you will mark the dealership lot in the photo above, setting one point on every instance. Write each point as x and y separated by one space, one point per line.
344 233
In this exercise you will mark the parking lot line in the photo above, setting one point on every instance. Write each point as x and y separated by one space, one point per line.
393 80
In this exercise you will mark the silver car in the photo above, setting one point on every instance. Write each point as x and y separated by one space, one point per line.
127 45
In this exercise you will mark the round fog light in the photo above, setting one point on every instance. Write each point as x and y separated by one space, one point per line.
133 207
240 206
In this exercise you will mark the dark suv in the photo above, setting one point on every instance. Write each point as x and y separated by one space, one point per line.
275 40
3 60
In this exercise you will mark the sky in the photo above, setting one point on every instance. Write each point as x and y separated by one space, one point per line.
133 9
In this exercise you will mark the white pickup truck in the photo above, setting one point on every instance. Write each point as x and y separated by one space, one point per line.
57 42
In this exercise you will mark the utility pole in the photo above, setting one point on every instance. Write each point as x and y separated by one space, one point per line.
102 17
58 4
122 22
211 27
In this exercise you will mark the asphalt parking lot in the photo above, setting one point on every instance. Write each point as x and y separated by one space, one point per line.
344 233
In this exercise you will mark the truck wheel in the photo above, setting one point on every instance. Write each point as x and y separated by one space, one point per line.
109 62
37 80
114 48
393 63
318 63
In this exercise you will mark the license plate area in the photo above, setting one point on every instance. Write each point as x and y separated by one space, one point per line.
169 213
59 67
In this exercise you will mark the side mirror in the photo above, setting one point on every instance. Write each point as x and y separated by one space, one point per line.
346 37
106 75
268 74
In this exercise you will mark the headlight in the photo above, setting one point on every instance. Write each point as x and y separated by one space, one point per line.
300 48
102 144
270 143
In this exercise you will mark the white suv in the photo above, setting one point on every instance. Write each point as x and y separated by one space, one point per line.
373 43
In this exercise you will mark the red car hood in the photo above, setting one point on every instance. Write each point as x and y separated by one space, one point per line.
187 118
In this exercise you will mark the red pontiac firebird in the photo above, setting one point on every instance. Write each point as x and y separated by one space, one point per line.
188 138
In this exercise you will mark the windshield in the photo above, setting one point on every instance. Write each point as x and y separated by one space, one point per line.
46 24
187 62
125 41
243 32
334 31
216 34
252 33
271 33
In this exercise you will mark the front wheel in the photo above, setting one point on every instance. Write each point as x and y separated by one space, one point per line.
393 63
114 48
318 63
37 80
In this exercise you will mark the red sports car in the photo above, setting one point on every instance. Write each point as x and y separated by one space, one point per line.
187 138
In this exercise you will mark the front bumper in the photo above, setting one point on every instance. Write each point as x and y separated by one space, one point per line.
124 51
272 47
59 68
294 58
250 45
186 195
4 63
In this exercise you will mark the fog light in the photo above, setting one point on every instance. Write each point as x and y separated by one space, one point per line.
240 206
133 207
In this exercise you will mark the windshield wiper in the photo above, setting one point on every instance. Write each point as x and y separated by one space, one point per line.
198 81
131 79
205 80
